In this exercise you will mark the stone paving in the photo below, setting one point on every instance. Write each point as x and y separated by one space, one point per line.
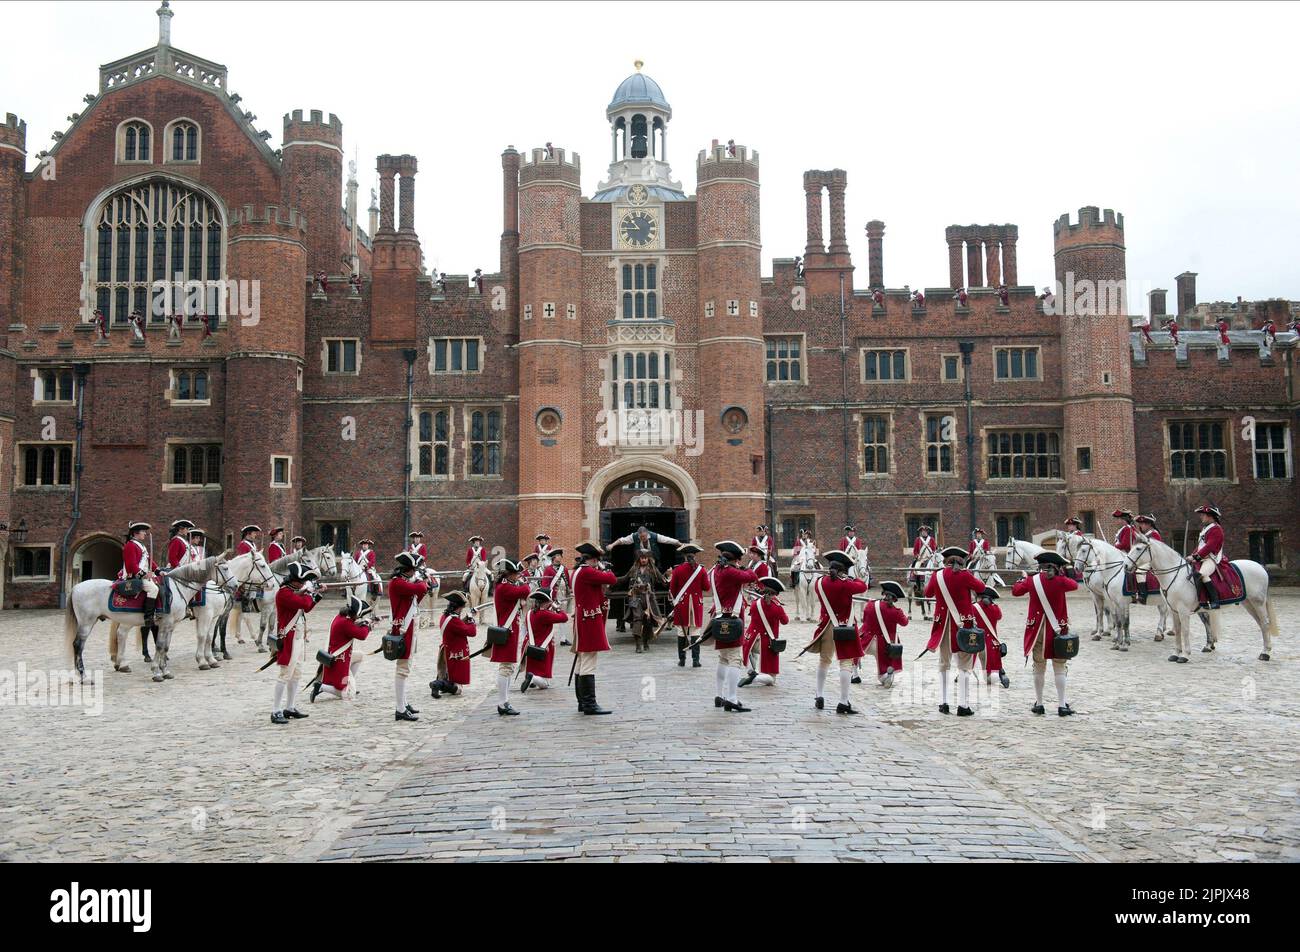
1163 762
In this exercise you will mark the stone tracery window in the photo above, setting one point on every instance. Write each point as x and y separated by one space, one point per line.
147 242
641 380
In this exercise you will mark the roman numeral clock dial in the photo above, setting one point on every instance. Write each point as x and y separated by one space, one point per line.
638 229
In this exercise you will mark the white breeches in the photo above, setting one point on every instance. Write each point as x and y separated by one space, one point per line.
587 662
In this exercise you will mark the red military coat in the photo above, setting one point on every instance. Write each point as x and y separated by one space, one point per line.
287 605
177 550
1211 542
839 593
505 597
689 609
365 559
927 545
962 586
1124 538
472 553
538 624
769 662
245 547
552 576
987 617
456 633
589 602
343 630
726 583
403 594
977 545
849 545
275 551
1056 589
766 544
893 617
135 560
421 550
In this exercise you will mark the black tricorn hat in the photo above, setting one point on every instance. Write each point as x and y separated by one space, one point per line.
954 552
989 592
1050 558
839 557
892 588
773 583
590 549
540 596
731 550
456 598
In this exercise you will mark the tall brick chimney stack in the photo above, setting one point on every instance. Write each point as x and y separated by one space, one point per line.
955 267
1186 284
823 269
876 253
1010 234
395 268
1156 303
812 188
510 162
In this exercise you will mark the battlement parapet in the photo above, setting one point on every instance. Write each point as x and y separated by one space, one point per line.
267 220
315 128
13 132
1090 218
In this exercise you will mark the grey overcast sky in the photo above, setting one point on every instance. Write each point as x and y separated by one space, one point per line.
1185 117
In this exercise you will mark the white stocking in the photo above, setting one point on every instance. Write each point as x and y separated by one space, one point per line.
541 684
822 670
1060 686
399 690
720 681
943 685
503 690
965 688
846 677
733 682
1040 675
279 697
291 695
328 691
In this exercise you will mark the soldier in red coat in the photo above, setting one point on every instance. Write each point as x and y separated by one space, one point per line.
416 546
987 616
542 547
1171 326
475 553
1270 332
766 616
1145 328
1048 617
350 625
591 607
979 544
455 654
248 540
538 633
765 544
881 619
293 600
952 588
275 547
833 594
1209 551
510 600
686 587
138 564
727 581
178 547
1221 325
405 590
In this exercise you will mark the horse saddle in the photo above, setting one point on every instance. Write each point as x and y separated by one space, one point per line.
1229 586
127 595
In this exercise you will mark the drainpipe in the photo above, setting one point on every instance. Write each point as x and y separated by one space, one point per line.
410 356
844 395
767 441
82 371
967 347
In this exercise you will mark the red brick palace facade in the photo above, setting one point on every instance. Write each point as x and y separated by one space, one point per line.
406 401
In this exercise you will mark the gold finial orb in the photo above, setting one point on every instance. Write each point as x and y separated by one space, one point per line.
638 64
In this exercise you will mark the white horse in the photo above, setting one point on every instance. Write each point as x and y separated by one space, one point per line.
88 604
806 563
1101 566
919 575
985 567
1103 620
1176 576
480 580
321 558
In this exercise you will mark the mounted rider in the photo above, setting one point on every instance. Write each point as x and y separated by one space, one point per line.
275 546
297 545
1209 552
248 539
415 544
138 564
365 557
979 545
475 554
1073 530
178 546
542 547
764 542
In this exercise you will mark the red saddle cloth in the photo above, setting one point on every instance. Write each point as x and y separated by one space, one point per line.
1227 583
119 601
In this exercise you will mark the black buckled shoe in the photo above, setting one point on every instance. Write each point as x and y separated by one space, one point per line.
1037 709
943 709
819 703
279 718
505 710
294 713
315 691
435 688
526 684
735 707
748 679
845 709
404 716
856 679
1006 681
717 701
1065 711
412 710
964 711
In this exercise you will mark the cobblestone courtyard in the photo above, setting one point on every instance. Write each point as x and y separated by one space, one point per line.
1163 762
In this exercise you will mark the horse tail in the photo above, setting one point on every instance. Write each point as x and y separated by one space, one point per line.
1272 617
70 626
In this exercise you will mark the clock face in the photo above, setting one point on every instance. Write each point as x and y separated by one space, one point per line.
638 229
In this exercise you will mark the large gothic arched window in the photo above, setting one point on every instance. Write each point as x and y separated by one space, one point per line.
154 247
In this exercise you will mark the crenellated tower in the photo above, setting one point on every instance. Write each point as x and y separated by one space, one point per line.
268 249
731 366
550 345
312 181
1096 375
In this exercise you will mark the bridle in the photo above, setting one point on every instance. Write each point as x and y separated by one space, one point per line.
1099 566
1158 573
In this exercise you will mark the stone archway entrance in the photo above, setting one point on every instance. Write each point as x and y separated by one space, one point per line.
98 556
635 490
